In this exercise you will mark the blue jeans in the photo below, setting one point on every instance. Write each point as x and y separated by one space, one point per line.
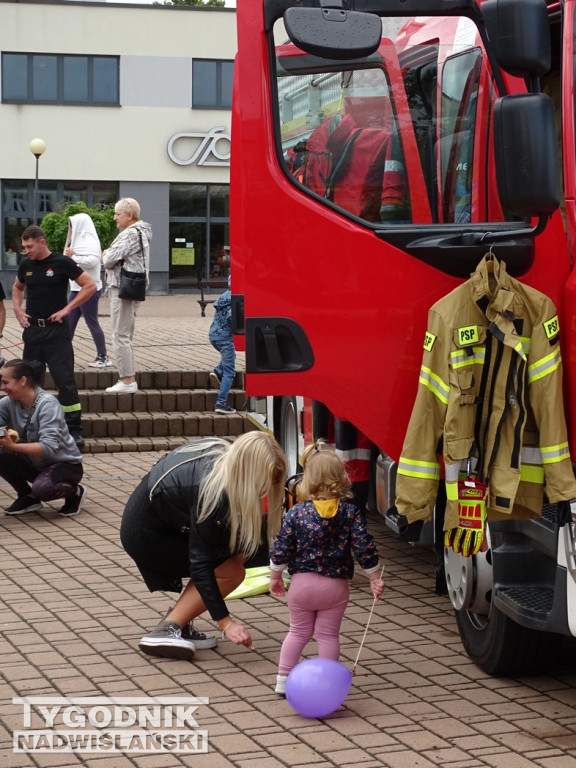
225 369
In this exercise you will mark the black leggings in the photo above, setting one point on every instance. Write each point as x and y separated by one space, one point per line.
56 481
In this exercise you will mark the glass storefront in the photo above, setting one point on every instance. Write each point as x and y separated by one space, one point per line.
199 223
199 233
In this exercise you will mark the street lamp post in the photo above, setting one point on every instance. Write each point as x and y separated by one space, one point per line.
37 147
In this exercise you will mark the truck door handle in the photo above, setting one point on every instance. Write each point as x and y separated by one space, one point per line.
276 345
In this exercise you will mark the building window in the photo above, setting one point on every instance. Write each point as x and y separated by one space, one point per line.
212 84
45 78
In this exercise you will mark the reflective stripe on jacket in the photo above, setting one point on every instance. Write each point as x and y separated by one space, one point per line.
490 391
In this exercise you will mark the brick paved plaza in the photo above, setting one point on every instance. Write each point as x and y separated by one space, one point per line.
73 608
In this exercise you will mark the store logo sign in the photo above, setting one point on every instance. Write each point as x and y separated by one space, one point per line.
211 148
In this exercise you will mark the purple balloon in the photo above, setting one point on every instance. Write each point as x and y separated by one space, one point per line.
317 687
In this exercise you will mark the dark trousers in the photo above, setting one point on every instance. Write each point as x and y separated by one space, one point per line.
57 481
52 346
89 311
161 553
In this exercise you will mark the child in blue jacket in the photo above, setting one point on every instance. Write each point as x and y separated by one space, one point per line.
220 336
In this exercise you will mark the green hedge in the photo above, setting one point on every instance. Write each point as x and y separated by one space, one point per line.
55 225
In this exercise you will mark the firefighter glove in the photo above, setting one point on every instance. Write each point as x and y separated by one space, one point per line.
466 539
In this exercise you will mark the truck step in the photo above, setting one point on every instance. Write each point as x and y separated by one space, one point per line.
535 602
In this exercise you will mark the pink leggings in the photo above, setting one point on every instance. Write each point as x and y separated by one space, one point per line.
317 604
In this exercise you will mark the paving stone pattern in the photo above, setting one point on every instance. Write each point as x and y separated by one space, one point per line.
72 608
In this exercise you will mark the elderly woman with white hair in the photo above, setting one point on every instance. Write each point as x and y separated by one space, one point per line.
131 250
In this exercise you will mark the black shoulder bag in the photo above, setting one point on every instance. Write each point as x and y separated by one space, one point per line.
133 284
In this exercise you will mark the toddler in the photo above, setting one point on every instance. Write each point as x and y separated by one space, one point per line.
316 542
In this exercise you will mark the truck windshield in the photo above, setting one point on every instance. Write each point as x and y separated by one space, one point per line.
392 139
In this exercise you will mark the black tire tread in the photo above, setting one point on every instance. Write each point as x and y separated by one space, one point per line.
504 648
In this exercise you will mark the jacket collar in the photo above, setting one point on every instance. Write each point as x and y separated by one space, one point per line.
493 292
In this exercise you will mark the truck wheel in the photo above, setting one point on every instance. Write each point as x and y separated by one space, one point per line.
503 648
289 433
494 642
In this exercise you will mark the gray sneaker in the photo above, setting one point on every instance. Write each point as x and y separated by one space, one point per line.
224 408
201 640
167 640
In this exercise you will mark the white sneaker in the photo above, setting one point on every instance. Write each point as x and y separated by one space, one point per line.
121 387
101 361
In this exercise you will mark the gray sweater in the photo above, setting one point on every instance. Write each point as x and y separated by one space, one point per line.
47 427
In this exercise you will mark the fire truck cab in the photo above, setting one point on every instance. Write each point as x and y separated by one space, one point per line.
382 149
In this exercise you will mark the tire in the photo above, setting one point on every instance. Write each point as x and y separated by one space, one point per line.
503 648
496 643
289 433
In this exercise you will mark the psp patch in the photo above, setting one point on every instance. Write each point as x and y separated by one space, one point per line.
429 340
551 327
468 334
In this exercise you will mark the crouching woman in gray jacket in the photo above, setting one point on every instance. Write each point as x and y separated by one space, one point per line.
38 457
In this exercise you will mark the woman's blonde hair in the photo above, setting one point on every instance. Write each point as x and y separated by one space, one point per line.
253 468
128 205
324 474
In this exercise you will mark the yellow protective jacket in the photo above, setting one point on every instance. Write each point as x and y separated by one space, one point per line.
490 391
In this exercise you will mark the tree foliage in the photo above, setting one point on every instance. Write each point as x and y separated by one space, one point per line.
55 225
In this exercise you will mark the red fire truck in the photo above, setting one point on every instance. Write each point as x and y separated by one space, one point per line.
380 150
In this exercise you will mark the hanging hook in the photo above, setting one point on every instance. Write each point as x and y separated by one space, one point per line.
490 259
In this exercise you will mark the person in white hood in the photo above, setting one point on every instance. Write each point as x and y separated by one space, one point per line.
83 245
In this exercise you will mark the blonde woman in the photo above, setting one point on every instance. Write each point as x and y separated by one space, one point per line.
131 250
198 514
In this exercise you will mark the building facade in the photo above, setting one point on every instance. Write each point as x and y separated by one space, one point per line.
130 101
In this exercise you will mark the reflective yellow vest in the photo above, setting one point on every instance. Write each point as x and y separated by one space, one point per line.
490 397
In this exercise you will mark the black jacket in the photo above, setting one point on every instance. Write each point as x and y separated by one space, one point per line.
174 485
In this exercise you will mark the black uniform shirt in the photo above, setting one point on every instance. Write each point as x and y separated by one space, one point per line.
47 283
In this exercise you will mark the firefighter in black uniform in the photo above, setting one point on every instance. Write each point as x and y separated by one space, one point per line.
44 276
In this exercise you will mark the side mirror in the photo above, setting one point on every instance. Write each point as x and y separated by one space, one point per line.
526 154
519 30
333 33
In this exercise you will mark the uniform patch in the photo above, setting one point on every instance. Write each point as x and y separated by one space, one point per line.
468 334
429 340
551 327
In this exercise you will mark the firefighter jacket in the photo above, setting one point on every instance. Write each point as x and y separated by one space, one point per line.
490 398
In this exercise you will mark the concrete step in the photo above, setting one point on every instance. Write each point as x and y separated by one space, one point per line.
125 444
161 424
156 400
170 408
100 378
